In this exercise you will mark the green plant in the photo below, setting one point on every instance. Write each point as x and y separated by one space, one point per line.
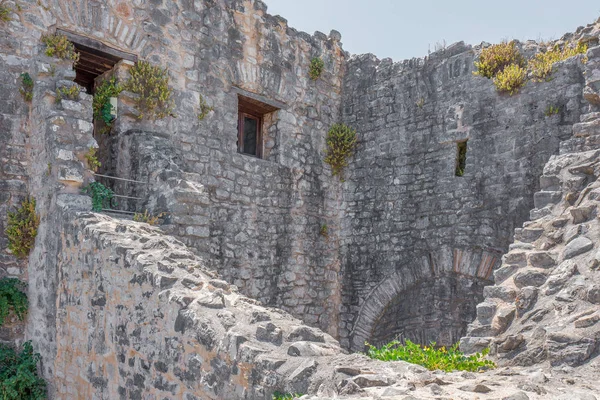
341 143
22 227
101 102
101 196
12 298
431 357
18 374
26 88
92 159
151 84
541 64
4 12
316 68
68 92
285 396
147 217
493 59
551 110
324 231
204 109
59 46
420 103
49 171
510 79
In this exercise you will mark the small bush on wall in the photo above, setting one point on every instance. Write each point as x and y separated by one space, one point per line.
67 92
495 58
316 68
26 88
59 46
511 79
341 143
22 228
92 159
151 84
541 64
12 299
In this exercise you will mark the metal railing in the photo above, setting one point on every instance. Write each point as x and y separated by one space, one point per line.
113 209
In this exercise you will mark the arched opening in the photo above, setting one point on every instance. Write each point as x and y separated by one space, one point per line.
435 310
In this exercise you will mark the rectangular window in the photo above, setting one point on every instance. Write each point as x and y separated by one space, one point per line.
461 158
249 134
251 126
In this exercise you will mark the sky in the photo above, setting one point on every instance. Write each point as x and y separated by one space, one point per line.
405 29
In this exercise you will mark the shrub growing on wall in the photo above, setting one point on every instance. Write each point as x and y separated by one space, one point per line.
18 374
541 64
26 88
151 84
316 68
511 79
495 58
59 46
22 228
341 143
12 299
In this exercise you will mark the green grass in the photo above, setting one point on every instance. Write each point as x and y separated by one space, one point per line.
431 357
285 396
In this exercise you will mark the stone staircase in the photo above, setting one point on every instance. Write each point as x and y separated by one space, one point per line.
544 306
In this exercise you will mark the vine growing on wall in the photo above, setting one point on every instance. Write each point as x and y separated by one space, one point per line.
22 227
12 299
151 84
341 143
19 378
101 103
101 196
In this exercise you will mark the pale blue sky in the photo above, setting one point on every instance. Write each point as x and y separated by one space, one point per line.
405 29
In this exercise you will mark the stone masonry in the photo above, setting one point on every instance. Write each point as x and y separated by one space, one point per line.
206 306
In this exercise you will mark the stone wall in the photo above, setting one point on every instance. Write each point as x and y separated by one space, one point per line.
408 218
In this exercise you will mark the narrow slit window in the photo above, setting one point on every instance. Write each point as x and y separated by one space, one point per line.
461 158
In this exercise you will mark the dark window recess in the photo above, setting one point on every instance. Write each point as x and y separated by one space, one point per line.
461 158
250 125
95 58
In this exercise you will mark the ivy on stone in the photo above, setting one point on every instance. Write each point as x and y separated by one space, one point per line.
101 196
12 299
101 102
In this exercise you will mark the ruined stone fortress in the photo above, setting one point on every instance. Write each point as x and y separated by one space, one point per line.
239 292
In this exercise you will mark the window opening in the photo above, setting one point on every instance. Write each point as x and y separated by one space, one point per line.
461 158
251 114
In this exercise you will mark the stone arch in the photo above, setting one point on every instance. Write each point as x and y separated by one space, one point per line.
475 264
112 24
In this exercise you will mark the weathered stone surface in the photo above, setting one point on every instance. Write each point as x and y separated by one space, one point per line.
577 246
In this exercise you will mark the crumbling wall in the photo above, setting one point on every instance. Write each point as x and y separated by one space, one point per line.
409 219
